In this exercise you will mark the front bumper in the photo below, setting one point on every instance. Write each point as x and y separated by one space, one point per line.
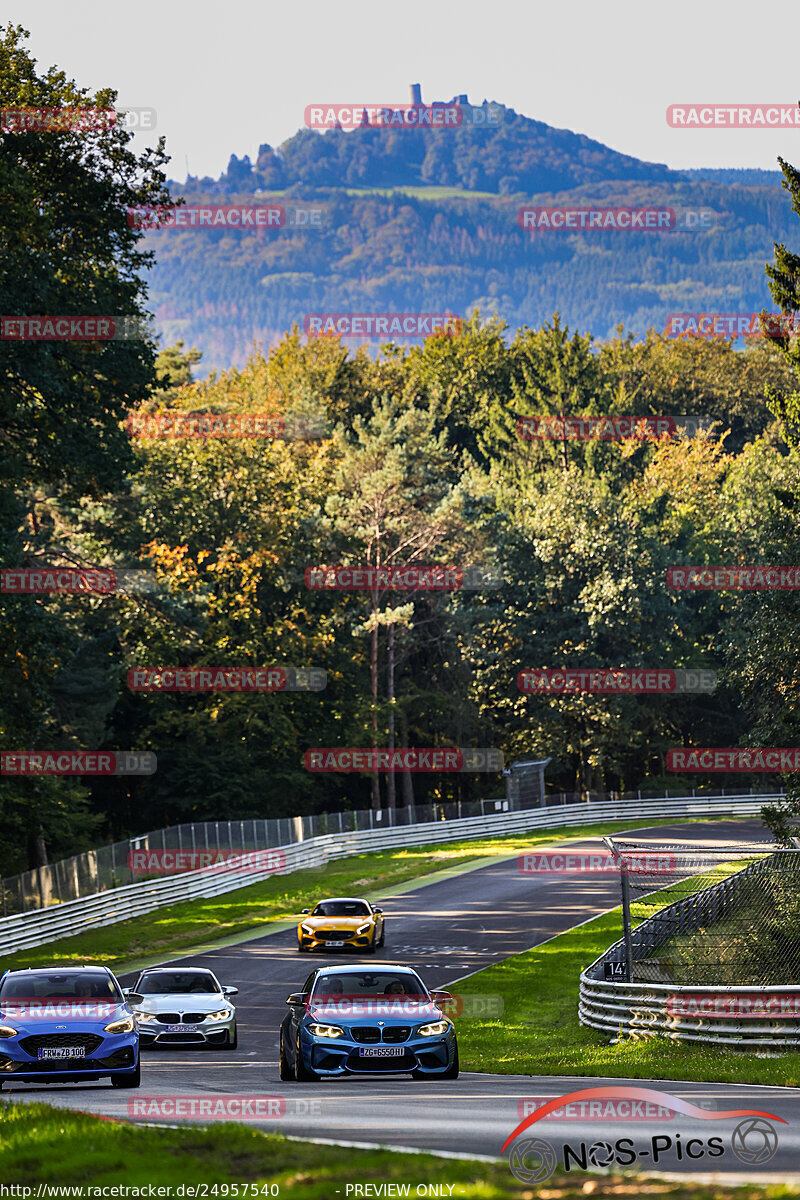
342 1056
117 1054
321 939
210 1033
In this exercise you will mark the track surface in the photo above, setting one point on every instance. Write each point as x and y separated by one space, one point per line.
446 930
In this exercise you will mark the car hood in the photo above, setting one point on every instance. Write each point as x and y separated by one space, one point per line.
205 1002
358 1010
335 922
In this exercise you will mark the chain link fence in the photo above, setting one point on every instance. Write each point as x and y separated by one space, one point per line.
723 915
108 867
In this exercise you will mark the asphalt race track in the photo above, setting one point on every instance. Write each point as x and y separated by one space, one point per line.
446 930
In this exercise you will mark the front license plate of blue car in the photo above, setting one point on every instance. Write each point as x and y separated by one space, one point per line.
62 1052
381 1051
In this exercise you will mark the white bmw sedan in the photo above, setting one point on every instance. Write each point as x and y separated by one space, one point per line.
183 1007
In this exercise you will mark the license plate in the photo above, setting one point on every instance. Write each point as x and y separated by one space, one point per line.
334 943
180 1029
381 1051
63 1052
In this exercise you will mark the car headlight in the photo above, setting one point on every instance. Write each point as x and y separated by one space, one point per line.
329 1031
307 929
433 1030
145 1016
7 1031
363 928
124 1025
222 1015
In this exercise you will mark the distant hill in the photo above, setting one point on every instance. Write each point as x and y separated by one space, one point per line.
427 221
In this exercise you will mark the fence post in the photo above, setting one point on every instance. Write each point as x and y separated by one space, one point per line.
626 921
3 890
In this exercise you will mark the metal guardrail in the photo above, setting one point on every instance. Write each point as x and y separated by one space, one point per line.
696 1012
649 1009
25 930
106 867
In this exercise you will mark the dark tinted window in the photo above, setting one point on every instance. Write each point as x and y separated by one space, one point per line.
61 985
342 908
175 983
369 983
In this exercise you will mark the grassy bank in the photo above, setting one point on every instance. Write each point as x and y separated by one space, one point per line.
44 1145
180 928
539 1033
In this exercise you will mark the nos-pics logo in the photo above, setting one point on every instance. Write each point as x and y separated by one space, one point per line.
533 1159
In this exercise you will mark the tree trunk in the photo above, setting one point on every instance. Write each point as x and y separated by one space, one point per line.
407 779
390 779
373 671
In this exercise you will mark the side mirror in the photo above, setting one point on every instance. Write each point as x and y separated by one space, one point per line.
133 997
438 994
305 910
296 998
230 991
378 910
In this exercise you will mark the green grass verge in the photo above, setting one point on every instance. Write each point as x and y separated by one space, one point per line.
41 1144
197 924
539 1033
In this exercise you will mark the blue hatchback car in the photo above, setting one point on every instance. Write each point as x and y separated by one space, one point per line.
356 1021
66 1025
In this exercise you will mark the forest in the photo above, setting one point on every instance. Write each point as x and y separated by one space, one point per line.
408 457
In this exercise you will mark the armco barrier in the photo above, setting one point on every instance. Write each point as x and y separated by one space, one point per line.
647 1009
25 930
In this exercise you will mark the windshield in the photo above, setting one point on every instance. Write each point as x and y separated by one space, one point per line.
63 985
341 908
173 983
372 983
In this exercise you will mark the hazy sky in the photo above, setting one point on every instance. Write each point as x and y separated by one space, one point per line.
226 77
